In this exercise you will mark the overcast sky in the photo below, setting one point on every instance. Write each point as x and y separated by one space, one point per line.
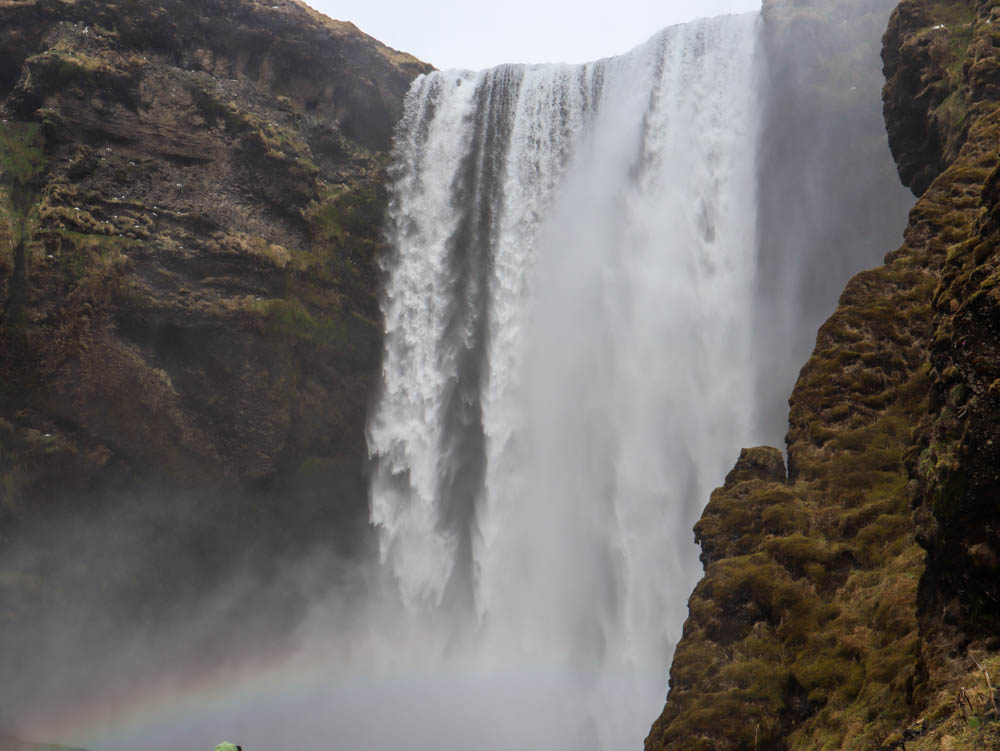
452 34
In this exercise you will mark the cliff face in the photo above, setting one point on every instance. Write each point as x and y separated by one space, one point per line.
954 464
854 603
191 207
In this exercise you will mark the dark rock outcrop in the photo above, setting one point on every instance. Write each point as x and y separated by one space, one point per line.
190 207
955 463
191 301
926 100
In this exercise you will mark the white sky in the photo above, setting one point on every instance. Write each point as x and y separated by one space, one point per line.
454 34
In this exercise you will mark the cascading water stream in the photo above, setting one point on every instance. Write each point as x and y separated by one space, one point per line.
567 370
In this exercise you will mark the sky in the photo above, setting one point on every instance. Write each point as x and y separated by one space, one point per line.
452 34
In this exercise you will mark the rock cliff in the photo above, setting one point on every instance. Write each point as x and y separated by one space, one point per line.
190 205
191 200
853 603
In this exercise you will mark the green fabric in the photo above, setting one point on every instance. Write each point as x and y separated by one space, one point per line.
226 747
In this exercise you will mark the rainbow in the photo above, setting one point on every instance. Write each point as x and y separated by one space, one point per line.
318 699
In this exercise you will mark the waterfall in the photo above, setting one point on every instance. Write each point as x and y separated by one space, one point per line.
567 369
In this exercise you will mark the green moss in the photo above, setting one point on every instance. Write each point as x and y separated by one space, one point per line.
345 212
22 152
24 453
785 518
952 13
276 142
827 676
63 208
82 255
691 659
289 320
758 680
22 163
65 65
344 223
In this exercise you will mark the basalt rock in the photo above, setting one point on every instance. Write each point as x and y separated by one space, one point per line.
190 207
192 299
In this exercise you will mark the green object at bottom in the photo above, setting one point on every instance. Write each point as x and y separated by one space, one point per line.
227 747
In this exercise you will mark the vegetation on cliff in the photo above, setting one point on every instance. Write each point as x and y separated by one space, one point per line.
821 622
190 206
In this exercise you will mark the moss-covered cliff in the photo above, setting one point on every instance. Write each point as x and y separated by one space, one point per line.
191 201
853 604
945 57
190 206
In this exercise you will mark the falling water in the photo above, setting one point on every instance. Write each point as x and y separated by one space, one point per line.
567 370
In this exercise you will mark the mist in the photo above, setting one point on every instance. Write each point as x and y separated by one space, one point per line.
829 200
